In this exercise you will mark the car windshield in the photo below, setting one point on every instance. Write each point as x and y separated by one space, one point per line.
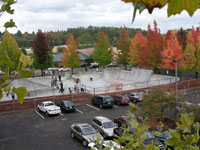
68 103
107 125
138 94
88 131
124 98
49 104
149 135
107 99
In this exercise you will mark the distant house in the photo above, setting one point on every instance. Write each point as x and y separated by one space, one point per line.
58 61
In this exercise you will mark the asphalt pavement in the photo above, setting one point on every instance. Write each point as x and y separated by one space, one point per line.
31 130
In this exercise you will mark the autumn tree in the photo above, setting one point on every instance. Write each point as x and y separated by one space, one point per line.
159 100
123 46
138 54
193 48
182 38
71 58
9 50
155 44
42 53
103 52
13 63
173 52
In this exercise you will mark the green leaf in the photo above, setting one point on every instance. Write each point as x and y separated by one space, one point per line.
9 24
21 92
177 6
138 6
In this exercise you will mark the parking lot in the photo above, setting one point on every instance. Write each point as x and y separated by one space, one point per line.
34 131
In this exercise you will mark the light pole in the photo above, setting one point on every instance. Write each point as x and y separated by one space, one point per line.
176 86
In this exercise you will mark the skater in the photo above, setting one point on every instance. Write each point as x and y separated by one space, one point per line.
70 91
86 69
82 88
61 87
12 95
75 88
77 80
59 77
91 79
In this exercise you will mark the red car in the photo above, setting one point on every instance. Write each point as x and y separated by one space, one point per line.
121 99
122 121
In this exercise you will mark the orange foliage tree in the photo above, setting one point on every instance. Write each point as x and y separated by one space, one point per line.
193 48
71 58
138 55
123 46
155 44
172 52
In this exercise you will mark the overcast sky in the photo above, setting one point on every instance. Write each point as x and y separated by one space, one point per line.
54 15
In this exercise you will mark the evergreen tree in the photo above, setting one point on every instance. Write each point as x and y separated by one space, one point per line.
42 54
71 58
103 52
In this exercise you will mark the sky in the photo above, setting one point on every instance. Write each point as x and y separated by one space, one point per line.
59 15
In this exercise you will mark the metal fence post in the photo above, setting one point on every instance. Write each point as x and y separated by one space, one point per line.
34 98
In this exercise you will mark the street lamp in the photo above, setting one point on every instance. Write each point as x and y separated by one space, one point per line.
176 87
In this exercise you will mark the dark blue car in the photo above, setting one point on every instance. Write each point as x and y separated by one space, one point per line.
103 101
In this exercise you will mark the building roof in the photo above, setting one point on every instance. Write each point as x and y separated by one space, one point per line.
57 57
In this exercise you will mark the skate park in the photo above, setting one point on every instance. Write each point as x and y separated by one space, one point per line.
104 80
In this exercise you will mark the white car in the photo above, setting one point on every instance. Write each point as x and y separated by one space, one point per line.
49 108
105 126
106 144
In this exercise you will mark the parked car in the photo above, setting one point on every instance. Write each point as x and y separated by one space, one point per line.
94 65
106 144
49 108
121 99
103 101
112 64
149 140
122 121
84 133
135 96
66 106
163 136
104 125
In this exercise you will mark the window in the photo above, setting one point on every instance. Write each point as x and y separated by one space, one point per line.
77 129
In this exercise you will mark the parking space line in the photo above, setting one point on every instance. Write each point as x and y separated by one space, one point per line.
93 107
79 110
39 114
61 114
115 106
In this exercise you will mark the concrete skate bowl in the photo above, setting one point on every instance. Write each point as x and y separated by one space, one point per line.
115 79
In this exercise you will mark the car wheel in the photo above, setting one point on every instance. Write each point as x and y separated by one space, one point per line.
72 134
100 106
46 113
38 109
84 143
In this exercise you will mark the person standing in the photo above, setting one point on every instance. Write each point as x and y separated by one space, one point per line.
61 87
59 77
12 95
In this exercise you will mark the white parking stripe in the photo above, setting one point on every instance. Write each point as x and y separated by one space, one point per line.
115 106
39 114
79 110
93 107
61 114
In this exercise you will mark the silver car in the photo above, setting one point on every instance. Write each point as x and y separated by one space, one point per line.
84 133
104 125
